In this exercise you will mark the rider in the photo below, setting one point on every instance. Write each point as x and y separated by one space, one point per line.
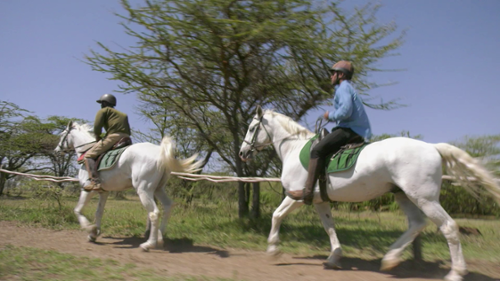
117 127
352 123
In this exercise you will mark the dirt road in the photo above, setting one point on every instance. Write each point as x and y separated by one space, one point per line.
180 256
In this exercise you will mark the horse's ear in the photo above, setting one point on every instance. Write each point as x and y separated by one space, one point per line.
259 111
70 124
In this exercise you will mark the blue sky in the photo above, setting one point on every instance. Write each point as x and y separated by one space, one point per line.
451 58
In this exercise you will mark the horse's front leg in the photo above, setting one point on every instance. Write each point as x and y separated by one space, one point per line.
82 202
286 206
95 229
325 214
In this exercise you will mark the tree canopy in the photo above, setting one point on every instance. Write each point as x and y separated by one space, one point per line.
200 68
27 143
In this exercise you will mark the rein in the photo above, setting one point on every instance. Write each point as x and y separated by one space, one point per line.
85 144
318 127
65 139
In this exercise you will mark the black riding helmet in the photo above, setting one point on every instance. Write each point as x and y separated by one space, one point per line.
108 98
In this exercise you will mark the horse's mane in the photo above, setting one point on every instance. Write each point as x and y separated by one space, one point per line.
290 125
84 128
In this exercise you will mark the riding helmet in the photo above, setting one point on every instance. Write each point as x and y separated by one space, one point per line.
109 98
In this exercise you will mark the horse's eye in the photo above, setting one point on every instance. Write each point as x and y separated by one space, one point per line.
252 129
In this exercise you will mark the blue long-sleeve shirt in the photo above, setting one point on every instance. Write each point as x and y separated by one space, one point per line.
349 110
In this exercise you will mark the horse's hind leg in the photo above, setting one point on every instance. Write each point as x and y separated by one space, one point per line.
149 204
325 214
161 195
286 206
416 223
449 228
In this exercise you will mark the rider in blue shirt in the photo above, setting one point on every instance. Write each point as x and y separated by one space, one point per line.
352 125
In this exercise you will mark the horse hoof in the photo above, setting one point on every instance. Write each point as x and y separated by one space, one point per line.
93 230
333 265
145 247
274 252
91 239
453 276
389 264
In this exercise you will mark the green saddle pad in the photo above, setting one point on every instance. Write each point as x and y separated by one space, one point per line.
110 158
341 161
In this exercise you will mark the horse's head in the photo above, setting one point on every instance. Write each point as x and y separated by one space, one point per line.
257 136
66 140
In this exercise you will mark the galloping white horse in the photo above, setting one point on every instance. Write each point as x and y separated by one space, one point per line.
413 166
143 166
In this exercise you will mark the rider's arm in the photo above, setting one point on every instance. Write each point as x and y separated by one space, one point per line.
99 123
343 105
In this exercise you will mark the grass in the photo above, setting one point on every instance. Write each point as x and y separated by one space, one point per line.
365 235
24 263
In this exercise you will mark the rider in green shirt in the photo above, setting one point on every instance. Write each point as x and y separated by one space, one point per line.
117 127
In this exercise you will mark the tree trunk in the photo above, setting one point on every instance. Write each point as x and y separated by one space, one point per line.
3 180
242 200
255 213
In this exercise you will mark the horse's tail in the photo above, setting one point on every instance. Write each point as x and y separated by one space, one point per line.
467 171
168 160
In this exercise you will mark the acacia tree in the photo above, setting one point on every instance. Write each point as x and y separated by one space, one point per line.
60 165
17 145
210 63
26 143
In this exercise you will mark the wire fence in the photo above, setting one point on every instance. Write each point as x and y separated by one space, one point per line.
185 176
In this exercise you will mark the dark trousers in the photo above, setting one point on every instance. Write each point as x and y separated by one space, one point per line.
332 142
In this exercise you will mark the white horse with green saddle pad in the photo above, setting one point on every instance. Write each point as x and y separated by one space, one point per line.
143 166
411 166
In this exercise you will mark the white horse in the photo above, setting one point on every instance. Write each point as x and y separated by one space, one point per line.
143 166
413 166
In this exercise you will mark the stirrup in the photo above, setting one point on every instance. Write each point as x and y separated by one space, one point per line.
94 185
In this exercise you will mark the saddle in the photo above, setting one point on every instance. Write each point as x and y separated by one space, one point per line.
122 143
108 158
344 158
125 141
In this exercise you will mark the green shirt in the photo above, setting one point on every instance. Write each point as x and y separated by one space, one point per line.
112 120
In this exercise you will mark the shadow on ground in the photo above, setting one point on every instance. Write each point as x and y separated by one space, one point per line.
407 269
180 245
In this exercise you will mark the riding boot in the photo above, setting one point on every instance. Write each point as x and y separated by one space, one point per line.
314 170
93 183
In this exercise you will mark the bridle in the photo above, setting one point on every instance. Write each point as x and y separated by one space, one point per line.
65 140
252 142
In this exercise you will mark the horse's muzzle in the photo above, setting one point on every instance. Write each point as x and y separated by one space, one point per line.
245 155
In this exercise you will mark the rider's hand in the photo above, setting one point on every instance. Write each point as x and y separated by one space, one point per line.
325 116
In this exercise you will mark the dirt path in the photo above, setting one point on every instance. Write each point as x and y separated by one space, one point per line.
182 257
